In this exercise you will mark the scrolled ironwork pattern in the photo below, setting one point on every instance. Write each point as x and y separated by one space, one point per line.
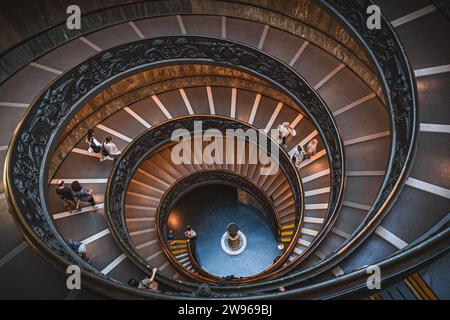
388 55
156 138
44 120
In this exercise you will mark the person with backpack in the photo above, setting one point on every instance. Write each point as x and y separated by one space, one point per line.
298 156
65 193
109 150
81 194
94 145
79 248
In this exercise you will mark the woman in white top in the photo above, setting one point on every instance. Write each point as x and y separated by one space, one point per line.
298 156
109 150
284 130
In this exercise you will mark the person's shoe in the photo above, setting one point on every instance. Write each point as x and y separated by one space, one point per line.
95 209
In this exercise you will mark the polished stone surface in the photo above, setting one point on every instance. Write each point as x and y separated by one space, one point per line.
209 210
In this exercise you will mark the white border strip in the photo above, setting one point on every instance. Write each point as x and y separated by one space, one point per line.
90 44
390 237
296 121
431 71
355 205
316 175
316 206
298 53
212 108
186 101
96 236
224 27
136 29
263 37
144 231
317 192
66 214
161 106
413 16
85 152
309 232
95 181
45 68
273 117
329 76
365 173
114 133
251 119
354 104
114 264
137 117
340 233
428 187
432 127
14 104
369 137
181 24
313 220
233 102
146 244
13 253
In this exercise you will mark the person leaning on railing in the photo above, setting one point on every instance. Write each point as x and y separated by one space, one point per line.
147 283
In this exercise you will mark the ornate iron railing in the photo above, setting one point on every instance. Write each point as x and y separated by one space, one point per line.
387 54
34 140
157 138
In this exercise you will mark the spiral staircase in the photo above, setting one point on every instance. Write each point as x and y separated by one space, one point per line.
375 193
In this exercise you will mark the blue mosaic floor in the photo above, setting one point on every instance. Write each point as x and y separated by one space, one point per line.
209 215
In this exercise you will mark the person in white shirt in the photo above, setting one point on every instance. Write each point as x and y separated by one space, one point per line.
109 150
190 233
298 156
284 130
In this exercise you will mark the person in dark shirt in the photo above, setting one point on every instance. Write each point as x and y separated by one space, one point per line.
82 194
65 193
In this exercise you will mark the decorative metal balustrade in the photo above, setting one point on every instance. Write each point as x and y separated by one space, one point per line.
25 171
36 136
158 138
